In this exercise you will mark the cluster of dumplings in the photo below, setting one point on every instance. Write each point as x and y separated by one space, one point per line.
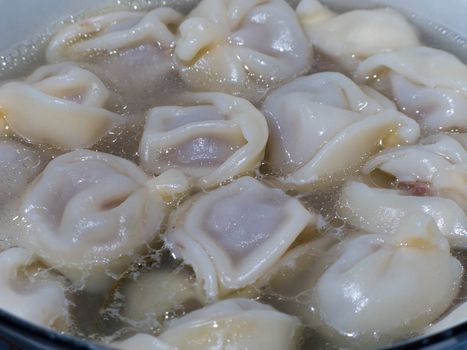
286 197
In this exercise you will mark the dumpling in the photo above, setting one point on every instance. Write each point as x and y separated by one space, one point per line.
241 47
383 210
130 50
141 341
385 287
234 324
324 124
452 319
429 85
212 137
234 234
19 164
352 36
419 162
437 166
87 213
175 290
33 297
59 104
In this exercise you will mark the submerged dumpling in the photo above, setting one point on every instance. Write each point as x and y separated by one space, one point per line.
212 137
141 341
89 212
234 324
33 297
234 234
323 124
383 210
241 47
384 287
355 35
429 85
19 164
175 290
130 50
58 104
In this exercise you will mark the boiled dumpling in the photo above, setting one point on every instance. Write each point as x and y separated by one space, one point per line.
130 50
355 35
436 166
429 85
155 293
241 47
234 234
452 319
383 210
59 104
335 125
142 341
211 137
234 324
384 287
89 212
33 297
112 32
419 162
19 164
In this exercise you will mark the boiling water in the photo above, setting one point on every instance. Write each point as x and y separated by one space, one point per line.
101 317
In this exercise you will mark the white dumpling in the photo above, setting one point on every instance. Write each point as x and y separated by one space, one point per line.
355 35
59 104
130 50
383 287
32 297
419 162
241 47
141 341
383 210
155 293
212 137
436 166
234 324
19 164
429 85
324 124
234 234
452 319
87 213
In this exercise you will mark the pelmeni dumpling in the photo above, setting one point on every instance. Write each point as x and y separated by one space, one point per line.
427 84
35 298
174 290
19 164
212 137
234 234
58 104
142 341
234 324
335 125
384 287
419 162
241 47
452 319
129 50
355 35
437 166
89 212
383 210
